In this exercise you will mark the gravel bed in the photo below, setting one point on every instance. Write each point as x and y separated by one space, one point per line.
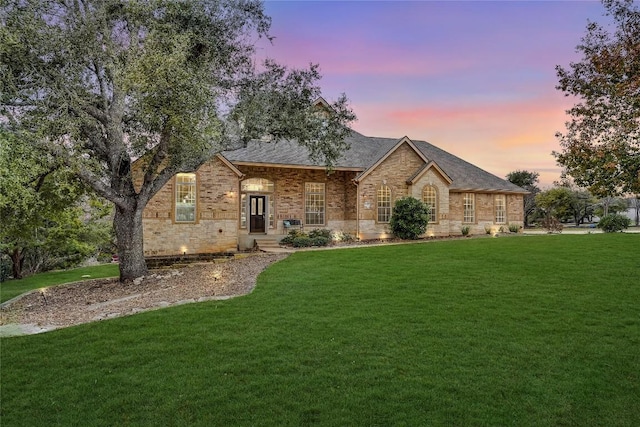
99 299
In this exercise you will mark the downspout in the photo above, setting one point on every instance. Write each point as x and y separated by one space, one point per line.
357 209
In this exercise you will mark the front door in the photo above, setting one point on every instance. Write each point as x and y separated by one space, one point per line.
257 213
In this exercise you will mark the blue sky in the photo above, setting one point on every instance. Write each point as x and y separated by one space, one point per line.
476 78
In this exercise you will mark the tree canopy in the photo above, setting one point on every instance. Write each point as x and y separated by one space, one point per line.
528 181
99 84
601 144
43 225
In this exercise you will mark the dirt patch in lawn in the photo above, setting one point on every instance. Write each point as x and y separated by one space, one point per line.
99 299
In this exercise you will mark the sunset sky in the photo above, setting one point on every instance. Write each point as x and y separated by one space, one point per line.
475 78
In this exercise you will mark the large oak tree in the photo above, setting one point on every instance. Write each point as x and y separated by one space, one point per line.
101 83
601 144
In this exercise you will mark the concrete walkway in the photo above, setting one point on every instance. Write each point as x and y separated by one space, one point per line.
16 329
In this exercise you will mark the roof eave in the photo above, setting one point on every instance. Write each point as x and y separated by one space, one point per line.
485 190
293 166
230 165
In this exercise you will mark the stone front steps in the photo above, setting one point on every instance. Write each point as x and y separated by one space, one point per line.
269 244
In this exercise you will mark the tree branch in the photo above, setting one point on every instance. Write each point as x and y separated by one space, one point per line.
103 189
159 156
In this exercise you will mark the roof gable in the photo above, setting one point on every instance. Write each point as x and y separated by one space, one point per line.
230 165
428 166
401 142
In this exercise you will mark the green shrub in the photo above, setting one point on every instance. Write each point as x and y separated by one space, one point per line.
5 268
307 241
302 241
346 237
514 228
465 230
320 232
614 222
288 240
409 219
319 241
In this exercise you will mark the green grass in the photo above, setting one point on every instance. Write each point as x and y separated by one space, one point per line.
13 288
522 331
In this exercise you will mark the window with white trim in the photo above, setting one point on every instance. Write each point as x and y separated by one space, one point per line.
257 186
430 198
185 197
500 203
384 203
469 215
314 203
243 210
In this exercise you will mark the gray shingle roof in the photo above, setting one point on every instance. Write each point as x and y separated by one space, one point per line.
364 152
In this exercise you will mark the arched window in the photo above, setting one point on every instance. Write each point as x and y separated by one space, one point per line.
430 198
384 203
257 185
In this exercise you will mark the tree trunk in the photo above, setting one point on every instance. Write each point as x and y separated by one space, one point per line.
128 227
17 259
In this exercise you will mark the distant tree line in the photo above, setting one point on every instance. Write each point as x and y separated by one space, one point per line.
568 203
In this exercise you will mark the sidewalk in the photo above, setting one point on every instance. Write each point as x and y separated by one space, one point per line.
577 230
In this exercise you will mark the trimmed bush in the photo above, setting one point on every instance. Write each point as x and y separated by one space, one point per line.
320 232
345 237
291 237
465 230
320 241
614 222
409 219
302 242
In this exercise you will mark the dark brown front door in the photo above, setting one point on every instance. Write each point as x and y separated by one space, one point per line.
257 211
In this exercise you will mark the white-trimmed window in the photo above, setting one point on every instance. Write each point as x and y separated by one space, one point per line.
271 211
314 203
500 203
469 201
384 203
257 186
243 210
430 198
185 197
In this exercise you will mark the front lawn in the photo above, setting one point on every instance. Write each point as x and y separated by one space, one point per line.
530 330
13 288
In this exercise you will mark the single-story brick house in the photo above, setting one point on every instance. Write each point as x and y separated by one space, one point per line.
254 192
